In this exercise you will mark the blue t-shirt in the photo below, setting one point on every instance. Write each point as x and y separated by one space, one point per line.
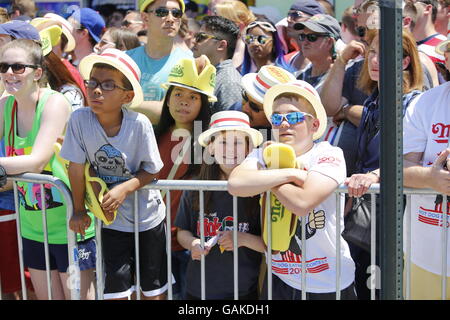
7 197
155 72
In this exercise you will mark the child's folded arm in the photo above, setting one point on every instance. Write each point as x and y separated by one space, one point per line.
301 200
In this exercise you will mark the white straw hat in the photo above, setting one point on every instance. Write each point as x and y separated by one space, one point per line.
230 120
122 62
303 89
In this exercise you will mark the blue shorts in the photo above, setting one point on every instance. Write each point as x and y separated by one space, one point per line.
34 255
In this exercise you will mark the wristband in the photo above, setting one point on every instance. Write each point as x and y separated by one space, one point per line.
376 174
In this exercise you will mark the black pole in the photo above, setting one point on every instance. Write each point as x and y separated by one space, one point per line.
391 164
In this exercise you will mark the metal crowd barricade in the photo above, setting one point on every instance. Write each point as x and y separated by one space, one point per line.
201 187
72 245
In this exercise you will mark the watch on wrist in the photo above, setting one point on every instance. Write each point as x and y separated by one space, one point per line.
3 176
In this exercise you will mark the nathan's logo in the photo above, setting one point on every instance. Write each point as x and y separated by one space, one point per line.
212 80
280 76
277 210
45 43
442 131
177 72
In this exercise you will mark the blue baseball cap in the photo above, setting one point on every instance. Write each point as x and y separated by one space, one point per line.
310 7
91 20
19 30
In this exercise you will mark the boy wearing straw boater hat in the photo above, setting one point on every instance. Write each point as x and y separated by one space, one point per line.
120 147
298 119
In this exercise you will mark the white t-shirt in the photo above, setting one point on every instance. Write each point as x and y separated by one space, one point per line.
320 243
426 128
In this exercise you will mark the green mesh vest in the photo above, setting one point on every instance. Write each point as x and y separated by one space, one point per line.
29 193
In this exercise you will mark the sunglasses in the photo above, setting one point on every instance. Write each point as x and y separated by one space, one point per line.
262 39
297 15
126 23
251 104
16 68
311 37
202 36
164 12
108 85
264 25
291 117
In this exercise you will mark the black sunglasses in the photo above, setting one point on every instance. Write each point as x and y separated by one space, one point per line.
311 37
164 12
16 68
251 104
202 36
108 85
262 39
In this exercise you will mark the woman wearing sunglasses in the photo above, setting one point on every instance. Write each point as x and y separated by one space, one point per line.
262 47
298 119
31 119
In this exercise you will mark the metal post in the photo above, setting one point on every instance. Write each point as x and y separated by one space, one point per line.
99 259
46 250
136 246
202 242
169 245
444 246
235 249
269 245
19 242
304 256
338 246
391 148
408 248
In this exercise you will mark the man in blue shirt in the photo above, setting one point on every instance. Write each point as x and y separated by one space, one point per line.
160 54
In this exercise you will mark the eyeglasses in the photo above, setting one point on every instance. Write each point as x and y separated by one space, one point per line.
297 15
17 68
291 117
202 36
126 23
262 39
264 25
108 85
251 104
311 37
164 12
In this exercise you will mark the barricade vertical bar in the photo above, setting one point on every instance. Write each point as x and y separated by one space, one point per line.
169 246
99 259
47 255
444 246
235 249
269 245
19 242
338 246
373 246
304 257
136 245
202 242
408 247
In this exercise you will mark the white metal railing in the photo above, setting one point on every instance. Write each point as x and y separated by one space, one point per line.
201 187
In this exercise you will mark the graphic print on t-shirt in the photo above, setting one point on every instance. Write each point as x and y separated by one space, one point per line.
291 260
110 165
213 224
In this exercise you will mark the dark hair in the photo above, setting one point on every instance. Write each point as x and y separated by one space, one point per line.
57 73
124 39
277 53
125 82
25 7
222 28
166 121
91 39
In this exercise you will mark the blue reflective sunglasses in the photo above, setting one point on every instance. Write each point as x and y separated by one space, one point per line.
291 117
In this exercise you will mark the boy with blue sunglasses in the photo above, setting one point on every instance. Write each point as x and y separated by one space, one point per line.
298 119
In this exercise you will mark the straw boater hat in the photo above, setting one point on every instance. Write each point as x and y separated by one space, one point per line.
143 4
122 62
303 89
257 84
195 74
441 47
67 29
230 120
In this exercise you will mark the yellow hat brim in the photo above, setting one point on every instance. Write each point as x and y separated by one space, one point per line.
144 4
211 98
278 89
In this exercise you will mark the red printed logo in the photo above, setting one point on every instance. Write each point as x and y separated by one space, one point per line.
330 159
442 131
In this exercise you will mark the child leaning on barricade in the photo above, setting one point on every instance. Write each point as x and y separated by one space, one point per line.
298 118
120 147
228 141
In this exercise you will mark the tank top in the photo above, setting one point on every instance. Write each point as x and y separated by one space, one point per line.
30 193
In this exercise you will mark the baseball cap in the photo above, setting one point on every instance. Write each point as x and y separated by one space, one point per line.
19 30
91 20
310 7
322 23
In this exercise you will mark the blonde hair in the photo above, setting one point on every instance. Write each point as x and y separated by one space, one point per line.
235 11
412 75
296 97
